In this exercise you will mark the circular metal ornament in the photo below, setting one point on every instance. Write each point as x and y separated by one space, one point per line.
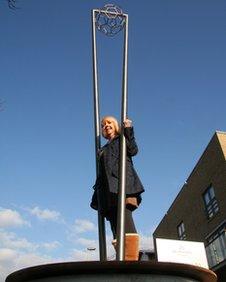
110 20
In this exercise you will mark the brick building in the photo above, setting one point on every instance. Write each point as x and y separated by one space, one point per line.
199 211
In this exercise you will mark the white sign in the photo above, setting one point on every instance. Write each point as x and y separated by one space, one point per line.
180 251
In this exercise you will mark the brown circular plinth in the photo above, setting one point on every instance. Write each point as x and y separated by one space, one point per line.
57 271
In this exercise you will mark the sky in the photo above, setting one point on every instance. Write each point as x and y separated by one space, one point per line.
176 99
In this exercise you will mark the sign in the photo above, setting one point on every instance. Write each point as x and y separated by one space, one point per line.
180 251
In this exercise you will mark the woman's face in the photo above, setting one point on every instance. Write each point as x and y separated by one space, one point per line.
109 128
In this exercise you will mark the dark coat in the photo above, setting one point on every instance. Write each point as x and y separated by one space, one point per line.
107 182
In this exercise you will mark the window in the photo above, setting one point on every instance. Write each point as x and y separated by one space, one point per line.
181 231
210 201
216 248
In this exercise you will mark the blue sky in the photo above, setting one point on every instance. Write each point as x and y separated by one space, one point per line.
177 86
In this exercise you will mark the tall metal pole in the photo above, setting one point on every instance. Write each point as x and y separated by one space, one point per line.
101 222
120 255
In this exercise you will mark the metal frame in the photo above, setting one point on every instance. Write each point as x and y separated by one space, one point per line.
120 254
101 221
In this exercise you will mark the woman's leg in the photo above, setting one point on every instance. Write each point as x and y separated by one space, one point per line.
113 222
129 223
131 236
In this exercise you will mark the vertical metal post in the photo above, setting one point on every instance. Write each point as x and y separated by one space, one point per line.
101 222
122 180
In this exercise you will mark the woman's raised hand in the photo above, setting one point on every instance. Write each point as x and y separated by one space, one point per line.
127 123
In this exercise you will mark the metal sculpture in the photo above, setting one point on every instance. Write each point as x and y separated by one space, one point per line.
110 20
12 4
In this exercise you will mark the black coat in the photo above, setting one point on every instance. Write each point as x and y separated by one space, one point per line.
107 182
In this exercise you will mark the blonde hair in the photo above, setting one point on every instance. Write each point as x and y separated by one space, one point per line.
117 127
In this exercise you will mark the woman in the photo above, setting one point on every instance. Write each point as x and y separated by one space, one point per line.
107 181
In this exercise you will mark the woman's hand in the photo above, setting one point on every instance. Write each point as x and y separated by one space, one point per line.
127 123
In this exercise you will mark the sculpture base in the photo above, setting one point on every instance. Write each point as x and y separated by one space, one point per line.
113 271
